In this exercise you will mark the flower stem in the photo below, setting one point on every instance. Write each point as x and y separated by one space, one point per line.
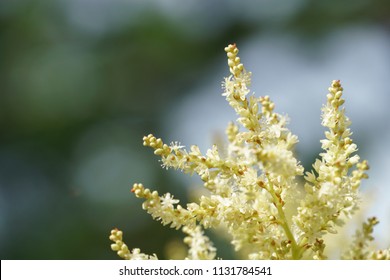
296 251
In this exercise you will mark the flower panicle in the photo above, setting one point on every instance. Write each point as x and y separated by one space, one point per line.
123 251
163 208
332 187
253 183
360 246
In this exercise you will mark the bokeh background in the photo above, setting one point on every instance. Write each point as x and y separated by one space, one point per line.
82 81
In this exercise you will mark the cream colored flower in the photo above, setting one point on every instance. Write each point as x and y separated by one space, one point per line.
255 186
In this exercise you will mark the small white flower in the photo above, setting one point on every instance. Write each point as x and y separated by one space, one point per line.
167 201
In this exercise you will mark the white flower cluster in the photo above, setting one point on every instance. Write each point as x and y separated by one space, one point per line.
254 185
200 247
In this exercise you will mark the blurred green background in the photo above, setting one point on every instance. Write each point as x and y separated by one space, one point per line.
81 82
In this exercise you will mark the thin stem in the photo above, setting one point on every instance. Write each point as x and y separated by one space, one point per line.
296 251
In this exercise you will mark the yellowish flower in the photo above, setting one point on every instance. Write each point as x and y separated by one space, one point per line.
255 185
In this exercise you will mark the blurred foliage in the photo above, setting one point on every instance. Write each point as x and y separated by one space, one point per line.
60 80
